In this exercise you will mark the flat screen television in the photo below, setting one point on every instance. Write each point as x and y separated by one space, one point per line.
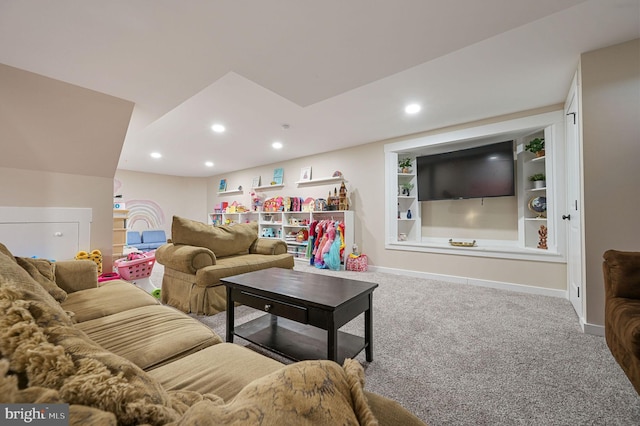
481 172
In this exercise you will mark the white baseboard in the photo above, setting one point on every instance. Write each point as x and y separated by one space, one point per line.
596 330
472 281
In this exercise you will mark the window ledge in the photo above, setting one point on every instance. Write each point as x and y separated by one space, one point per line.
501 250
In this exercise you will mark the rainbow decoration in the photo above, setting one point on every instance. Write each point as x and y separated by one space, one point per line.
146 211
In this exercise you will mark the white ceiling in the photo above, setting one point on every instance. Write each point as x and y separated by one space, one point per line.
338 72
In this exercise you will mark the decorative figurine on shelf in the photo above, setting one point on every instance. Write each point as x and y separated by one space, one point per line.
408 214
343 201
542 244
256 201
332 200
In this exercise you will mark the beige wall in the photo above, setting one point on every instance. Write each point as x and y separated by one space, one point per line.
363 168
49 125
59 147
28 188
611 149
152 200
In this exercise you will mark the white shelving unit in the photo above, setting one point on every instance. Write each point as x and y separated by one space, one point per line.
408 223
279 224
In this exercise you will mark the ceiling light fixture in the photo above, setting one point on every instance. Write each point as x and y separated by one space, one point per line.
277 145
209 163
412 108
156 155
218 128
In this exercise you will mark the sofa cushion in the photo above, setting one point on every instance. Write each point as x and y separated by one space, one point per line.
235 265
225 240
154 236
222 369
110 298
150 336
133 237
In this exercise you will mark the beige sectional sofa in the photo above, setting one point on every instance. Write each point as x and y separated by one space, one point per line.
199 255
118 356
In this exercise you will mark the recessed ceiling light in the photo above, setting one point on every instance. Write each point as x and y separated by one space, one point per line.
277 145
156 155
218 128
209 164
412 108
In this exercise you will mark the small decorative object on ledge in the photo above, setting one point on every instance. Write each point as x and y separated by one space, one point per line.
462 243
343 201
542 244
404 165
305 174
538 206
536 146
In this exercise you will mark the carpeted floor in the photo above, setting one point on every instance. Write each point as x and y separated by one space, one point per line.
456 354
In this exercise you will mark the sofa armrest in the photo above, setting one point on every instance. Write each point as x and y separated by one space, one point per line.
268 246
76 275
185 258
622 274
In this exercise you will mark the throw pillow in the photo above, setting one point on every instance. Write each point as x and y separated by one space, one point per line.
44 308
43 271
303 393
4 250
225 240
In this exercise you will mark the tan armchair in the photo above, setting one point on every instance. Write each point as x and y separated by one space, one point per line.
200 255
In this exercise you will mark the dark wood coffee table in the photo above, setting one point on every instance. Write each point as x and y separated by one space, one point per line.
304 313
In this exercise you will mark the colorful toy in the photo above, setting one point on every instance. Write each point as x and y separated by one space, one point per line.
95 256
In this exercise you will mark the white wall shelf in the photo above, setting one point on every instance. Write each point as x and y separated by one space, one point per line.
263 187
231 191
321 181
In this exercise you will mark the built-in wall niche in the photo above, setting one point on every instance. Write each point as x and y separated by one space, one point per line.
493 218
503 227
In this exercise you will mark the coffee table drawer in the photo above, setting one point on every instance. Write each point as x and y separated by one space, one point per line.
275 307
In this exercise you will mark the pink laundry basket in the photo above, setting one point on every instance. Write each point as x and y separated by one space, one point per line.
137 268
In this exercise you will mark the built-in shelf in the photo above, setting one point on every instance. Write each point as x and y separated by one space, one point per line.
281 185
544 188
320 181
541 219
231 191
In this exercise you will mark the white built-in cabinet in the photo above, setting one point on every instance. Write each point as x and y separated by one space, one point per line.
407 233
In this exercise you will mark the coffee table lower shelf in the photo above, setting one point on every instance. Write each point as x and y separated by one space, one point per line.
296 341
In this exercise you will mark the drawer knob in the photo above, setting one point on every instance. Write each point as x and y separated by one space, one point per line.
267 308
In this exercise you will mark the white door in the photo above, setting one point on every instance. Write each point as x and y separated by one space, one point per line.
573 212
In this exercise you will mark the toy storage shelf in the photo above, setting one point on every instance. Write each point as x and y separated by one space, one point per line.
280 223
119 232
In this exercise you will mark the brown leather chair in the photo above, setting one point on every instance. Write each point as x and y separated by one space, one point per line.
622 310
